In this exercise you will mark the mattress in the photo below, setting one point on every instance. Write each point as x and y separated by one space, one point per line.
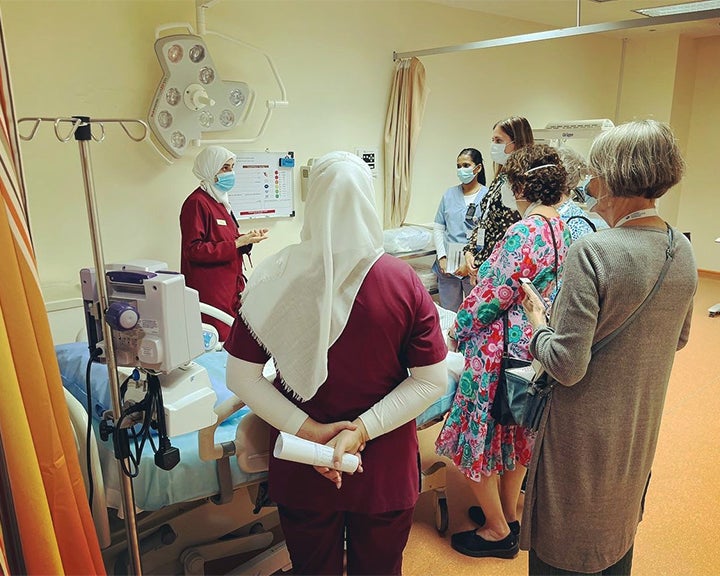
192 478
153 487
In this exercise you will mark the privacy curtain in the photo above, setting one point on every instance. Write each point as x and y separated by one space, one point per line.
402 128
45 513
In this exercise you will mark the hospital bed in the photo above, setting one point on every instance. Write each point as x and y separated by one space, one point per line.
202 511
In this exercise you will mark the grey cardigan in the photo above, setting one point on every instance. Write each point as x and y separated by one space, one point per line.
595 447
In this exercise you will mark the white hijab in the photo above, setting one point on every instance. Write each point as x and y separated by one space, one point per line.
298 301
207 165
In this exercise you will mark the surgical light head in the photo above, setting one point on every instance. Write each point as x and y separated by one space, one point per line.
191 98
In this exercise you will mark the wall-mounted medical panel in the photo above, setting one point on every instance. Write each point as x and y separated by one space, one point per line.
263 185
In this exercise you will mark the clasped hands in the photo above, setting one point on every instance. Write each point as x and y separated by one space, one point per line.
251 237
344 437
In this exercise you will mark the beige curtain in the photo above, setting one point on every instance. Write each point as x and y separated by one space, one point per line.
402 128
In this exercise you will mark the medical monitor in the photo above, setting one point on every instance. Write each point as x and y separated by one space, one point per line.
166 332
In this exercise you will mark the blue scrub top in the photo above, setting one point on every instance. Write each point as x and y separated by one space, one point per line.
451 214
578 226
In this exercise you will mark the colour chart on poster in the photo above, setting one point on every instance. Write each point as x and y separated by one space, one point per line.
263 185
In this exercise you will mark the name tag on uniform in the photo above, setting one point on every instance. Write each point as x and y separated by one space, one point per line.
480 238
221 222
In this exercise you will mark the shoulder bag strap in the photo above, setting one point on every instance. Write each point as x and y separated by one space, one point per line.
669 253
506 354
587 221
554 241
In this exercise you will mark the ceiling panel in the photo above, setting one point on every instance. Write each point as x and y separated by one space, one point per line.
564 13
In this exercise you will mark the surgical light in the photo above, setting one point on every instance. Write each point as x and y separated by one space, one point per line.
197 53
173 96
165 119
191 97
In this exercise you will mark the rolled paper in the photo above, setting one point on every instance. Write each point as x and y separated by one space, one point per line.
289 447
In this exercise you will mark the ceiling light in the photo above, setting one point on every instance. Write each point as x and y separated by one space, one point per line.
191 98
685 8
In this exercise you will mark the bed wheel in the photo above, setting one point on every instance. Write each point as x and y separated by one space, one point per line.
441 515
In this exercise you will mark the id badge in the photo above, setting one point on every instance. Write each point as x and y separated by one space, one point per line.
480 238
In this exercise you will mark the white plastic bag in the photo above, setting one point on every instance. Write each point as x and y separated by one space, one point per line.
406 239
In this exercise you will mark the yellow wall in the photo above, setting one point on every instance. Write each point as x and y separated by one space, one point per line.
680 116
699 207
335 58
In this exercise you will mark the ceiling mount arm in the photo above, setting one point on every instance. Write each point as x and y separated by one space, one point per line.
270 104
577 18
200 7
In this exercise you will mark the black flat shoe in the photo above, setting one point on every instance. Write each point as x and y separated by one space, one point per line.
470 544
478 516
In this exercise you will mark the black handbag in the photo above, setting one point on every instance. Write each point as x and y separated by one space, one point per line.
521 395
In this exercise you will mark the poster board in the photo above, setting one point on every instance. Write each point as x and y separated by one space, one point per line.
264 185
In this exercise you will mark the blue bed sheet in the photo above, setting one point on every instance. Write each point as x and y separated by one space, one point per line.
192 478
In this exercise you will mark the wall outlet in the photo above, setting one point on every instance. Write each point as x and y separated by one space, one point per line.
304 176
370 156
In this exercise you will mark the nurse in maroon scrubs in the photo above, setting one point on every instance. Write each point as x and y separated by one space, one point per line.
212 247
359 351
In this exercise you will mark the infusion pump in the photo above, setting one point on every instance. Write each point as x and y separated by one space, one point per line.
154 318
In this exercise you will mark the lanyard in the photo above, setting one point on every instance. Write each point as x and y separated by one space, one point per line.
636 215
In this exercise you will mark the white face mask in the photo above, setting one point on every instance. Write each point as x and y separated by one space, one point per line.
507 197
497 152
591 203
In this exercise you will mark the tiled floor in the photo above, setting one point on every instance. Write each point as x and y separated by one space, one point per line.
680 533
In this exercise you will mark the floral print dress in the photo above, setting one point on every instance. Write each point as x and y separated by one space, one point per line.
470 437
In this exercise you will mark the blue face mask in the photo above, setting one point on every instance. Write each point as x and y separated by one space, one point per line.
465 175
225 181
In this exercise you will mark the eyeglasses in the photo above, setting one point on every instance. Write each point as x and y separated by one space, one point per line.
579 193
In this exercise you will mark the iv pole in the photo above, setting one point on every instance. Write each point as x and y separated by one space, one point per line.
81 130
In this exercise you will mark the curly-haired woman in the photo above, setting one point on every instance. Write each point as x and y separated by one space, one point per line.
493 457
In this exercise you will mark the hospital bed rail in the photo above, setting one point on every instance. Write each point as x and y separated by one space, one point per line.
178 532
183 531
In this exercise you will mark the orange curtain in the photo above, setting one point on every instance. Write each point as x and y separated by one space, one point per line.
402 128
47 490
